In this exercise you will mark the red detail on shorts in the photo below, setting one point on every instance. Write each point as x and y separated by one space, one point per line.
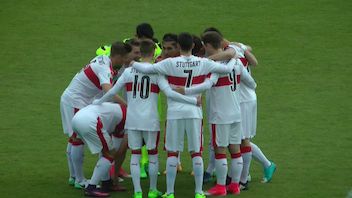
136 152
220 156
181 81
101 135
109 158
196 155
169 154
121 126
92 76
246 149
153 152
236 155
238 79
244 61
213 137
223 81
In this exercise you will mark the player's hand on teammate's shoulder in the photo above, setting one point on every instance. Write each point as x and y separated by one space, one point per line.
199 101
180 90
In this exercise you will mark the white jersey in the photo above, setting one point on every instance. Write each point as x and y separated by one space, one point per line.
142 98
86 85
184 71
246 93
110 114
223 94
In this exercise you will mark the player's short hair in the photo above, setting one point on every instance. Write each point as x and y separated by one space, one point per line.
186 41
212 38
120 48
147 47
197 45
133 42
170 37
145 30
212 29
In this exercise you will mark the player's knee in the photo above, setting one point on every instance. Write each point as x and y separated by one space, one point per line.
246 142
220 150
234 148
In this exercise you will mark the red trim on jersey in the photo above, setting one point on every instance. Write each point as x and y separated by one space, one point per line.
238 79
246 149
220 156
223 81
196 155
172 154
244 61
92 76
153 87
213 133
128 86
121 125
101 136
181 81
236 155
136 152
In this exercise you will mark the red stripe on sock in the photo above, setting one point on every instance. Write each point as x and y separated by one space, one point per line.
220 156
153 152
246 149
136 152
196 155
172 154
236 155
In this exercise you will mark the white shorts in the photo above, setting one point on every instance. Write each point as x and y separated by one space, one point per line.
249 119
222 135
175 135
136 139
67 113
116 140
91 129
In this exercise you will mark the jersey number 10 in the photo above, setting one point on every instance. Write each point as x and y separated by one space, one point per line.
144 87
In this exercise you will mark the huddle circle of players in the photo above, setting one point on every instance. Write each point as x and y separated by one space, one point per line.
94 114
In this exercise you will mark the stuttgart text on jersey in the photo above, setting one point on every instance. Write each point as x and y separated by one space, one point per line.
187 64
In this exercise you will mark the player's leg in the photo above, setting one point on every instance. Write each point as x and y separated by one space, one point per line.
151 139
220 142
144 162
67 113
122 155
194 131
77 156
135 143
236 158
174 139
246 152
119 146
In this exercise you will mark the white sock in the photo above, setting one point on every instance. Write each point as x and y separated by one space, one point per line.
136 172
198 169
247 157
153 171
211 164
100 171
171 170
259 156
221 168
77 155
69 160
236 167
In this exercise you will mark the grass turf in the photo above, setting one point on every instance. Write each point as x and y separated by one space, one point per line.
304 86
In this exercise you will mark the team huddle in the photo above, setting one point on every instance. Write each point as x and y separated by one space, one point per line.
113 104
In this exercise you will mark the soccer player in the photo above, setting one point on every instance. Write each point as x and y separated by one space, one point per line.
185 70
95 124
142 123
224 116
89 83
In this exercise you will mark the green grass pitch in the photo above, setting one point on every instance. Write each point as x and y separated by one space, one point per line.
304 86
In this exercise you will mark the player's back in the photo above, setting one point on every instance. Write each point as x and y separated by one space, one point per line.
223 98
142 100
87 83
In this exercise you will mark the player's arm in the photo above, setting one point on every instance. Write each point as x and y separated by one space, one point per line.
111 92
228 54
252 60
197 89
160 67
165 87
247 79
214 67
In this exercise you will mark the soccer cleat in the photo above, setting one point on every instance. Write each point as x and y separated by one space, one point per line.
244 186
200 195
93 191
269 172
168 195
207 177
71 181
80 185
217 190
154 194
138 195
234 188
109 186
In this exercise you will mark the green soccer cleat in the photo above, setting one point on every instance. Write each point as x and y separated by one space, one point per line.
269 172
200 195
168 195
138 195
155 194
71 181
